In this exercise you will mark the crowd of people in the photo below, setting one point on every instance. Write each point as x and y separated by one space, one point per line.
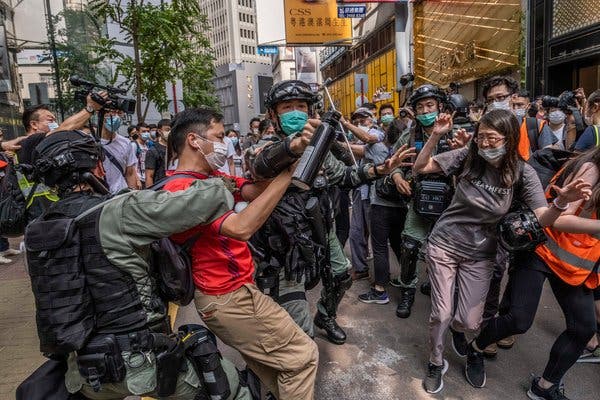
469 190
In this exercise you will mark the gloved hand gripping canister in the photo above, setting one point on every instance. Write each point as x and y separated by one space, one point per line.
313 157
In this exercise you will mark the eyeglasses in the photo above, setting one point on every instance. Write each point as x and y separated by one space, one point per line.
490 141
499 97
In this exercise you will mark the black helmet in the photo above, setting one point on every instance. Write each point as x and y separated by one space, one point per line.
459 104
424 92
520 231
290 90
61 158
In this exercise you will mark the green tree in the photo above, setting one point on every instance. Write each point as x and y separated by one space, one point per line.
75 45
168 43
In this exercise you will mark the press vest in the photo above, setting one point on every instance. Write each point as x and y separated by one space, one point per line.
78 291
525 146
41 191
574 257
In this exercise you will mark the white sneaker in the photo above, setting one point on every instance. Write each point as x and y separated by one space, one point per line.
10 252
4 260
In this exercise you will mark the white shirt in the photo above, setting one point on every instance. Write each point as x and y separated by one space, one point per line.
559 133
124 153
230 153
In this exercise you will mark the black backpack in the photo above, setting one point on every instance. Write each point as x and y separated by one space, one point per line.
172 263
13 205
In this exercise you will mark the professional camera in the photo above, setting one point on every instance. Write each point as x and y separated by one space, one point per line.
115 101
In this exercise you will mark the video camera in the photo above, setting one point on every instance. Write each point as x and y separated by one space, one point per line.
115 101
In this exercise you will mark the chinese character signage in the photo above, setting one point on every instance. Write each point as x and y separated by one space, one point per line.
310 22
352 11
462 42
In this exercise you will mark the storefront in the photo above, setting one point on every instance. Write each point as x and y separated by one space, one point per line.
564 46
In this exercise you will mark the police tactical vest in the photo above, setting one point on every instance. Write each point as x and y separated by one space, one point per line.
288 239
78 291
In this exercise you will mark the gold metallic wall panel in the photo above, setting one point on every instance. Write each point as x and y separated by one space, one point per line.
465 40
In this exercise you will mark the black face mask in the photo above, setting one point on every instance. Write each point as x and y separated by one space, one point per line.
135 136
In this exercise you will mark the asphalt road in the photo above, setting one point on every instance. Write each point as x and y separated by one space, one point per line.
384 358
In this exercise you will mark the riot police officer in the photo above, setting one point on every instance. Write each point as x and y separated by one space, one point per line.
427 101
298 242
97 303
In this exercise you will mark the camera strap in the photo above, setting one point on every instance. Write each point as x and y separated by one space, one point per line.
114 161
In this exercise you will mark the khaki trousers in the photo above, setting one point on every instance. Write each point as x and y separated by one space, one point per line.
473 280
273 346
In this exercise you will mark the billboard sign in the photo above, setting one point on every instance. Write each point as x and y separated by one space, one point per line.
315 23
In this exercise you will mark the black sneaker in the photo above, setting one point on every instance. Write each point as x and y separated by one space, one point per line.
374 297
396 282
434 381
555 392
459 343
426 288
475 368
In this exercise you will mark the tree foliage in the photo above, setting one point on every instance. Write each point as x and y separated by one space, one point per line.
75 44
168 43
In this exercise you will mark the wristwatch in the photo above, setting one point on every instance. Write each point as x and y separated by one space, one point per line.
90 109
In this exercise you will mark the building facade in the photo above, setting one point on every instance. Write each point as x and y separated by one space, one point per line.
242 75
563 46
439 43
10 97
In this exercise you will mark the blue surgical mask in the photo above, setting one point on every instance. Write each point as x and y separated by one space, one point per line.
145 136
427 119
112 123
293 121
387 119
235 141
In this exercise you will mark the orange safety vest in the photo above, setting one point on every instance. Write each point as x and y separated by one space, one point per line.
524 147
573 257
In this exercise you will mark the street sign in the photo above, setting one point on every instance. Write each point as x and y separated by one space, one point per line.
361 83
353 11
176 106
267 50
360 100
174 90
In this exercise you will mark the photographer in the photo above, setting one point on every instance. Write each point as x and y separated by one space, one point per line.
39 122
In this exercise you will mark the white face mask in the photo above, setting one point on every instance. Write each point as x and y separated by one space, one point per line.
364 128
499 105
520 113
493 156
556 117
52 126
218 157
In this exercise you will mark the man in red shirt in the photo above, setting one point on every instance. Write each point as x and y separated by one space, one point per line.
230 304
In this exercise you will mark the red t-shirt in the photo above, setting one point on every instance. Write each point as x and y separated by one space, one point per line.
220 264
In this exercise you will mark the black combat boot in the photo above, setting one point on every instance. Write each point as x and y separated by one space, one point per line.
335 334
406 302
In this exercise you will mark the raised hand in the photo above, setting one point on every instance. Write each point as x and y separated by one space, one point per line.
397 159
575 190
443 124
461 139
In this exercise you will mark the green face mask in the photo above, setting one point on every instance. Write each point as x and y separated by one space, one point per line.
387 119
293 121
427 119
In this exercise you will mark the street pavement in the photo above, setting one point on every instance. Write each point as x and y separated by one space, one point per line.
385 357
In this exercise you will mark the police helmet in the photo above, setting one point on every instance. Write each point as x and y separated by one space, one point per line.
290 90
520 231
61 158
424 92
459 104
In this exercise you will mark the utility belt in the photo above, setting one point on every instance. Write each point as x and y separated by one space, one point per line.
101 360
